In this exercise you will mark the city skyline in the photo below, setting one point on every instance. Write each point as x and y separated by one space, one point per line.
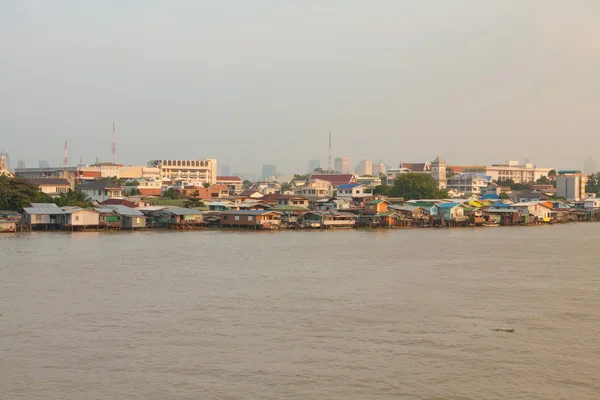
400 74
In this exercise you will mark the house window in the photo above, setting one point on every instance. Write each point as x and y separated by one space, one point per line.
225 217
237 217
137 220
77 218
249 218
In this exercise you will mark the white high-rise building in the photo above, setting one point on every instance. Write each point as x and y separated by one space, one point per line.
365 167
571 185
342 165
379 169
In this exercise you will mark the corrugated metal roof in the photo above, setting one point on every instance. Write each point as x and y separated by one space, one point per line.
248 212
448 205
348 185
44 205
182 211
43 210
121 210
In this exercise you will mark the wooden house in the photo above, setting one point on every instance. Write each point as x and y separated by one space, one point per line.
77 218
376 206
328 219
43 216
256 219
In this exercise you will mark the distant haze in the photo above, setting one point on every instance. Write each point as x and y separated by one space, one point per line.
263 81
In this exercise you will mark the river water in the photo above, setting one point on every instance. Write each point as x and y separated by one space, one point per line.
388 314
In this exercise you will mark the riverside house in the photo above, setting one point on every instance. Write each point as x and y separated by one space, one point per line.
77 218
43 216
328 219
257 219
100 191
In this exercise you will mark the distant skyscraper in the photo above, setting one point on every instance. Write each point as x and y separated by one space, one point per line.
365 167
589 166
269 170
226 170
21 164
379 169
44 164
342 165
312 165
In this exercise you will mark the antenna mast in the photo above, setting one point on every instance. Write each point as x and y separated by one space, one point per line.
66 155
114 144
329 166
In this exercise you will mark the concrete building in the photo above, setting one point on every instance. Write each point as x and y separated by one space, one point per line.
234 183
379 169
365 167
140 172
43 164
194 172
570 184
468 184
438 172
51 186
316 187
312 165
101 190
68 173
342 165
269 172
589 166
518 173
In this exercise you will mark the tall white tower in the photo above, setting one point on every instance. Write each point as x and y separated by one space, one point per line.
438 172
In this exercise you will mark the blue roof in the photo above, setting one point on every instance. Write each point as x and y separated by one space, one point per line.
448 205
348 185
500 204
491 196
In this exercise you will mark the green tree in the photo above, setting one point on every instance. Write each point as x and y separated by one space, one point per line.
319 170
246 184
449 172
206 184
382 190
194 200
73 198
416 186
170 193
16 193
552 175
504 196
543 181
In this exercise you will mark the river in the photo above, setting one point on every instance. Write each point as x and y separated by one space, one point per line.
386 314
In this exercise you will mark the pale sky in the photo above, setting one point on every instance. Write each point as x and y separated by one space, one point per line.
263 81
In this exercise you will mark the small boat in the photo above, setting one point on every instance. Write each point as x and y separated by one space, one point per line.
490 223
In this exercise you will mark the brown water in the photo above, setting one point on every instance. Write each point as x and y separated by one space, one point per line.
403 314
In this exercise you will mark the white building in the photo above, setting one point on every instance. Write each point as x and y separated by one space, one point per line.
365 167
101 190
316 187
393 173
351 190
438 172
533 208
194 172
518 173
571 185
469 184
342 165
378 169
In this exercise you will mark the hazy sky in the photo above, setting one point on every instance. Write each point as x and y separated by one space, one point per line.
263 81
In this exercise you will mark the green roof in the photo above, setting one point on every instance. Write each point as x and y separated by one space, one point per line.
375 201
165 202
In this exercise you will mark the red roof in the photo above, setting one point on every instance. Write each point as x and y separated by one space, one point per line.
335 179
228 178
149 192
116 202
414 167
219 187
